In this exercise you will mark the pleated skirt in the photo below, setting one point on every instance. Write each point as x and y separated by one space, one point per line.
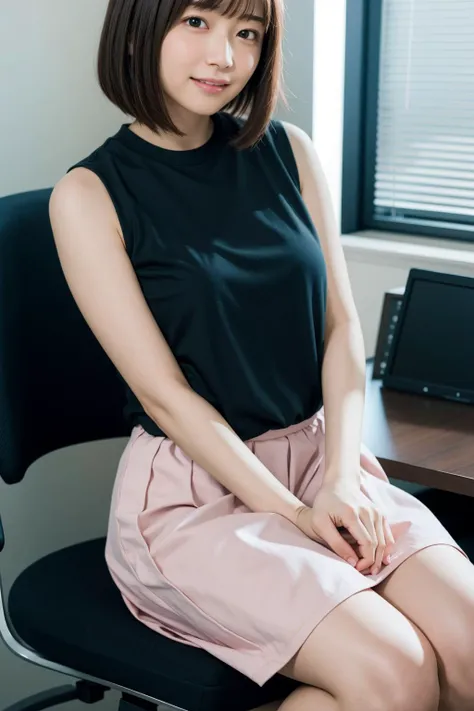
193 563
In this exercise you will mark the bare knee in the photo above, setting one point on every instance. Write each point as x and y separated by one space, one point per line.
405 678
401 677
369 656
456 671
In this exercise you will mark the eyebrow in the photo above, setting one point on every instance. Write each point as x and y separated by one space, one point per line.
248 17
254 18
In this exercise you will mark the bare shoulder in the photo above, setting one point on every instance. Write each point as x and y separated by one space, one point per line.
295 133
312 177
304 151
81 191
316 194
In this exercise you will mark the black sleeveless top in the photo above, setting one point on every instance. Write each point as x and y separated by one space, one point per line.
230 265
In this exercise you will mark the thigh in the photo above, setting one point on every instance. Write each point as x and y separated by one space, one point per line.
434 588
374 645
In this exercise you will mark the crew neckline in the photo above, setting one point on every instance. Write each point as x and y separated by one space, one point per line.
193 156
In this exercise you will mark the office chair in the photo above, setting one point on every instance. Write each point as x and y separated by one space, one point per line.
58 388
64 613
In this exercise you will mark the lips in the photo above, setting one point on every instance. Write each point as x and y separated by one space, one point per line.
210 88
211 82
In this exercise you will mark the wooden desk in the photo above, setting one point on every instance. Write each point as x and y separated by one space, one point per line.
420 439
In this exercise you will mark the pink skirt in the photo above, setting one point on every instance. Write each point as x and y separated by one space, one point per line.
193 563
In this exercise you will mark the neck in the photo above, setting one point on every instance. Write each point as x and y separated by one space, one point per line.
197 129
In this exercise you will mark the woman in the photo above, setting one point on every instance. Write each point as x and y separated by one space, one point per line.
200 244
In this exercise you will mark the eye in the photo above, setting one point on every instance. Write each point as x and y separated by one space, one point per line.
199 19
256 37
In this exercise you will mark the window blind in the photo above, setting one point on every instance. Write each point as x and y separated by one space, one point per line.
424 162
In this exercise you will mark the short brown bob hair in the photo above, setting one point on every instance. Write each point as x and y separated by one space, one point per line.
131 81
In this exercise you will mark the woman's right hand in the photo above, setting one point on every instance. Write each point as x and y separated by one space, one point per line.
339 540
305 523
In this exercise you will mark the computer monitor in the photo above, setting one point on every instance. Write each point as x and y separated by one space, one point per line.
432 350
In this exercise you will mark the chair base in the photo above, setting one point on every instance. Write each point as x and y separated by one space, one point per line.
85 691
131 703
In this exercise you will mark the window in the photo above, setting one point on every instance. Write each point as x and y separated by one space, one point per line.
409 102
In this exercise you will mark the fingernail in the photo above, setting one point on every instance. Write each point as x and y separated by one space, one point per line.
352 561
389 559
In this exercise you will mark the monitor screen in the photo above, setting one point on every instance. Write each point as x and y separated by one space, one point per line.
433 346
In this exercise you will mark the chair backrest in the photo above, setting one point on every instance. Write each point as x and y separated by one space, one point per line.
57 385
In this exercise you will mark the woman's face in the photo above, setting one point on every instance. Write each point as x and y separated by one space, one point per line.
208 45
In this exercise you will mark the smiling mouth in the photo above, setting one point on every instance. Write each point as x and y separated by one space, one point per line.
209 87
210 82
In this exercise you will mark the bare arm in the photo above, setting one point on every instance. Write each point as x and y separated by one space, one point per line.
104 285
343 372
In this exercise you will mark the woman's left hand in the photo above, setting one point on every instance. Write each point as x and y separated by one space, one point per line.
347 507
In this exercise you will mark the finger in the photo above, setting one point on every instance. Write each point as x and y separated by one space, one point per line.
366 548
380 552
338 544
348 536
389 539
352 541
369 548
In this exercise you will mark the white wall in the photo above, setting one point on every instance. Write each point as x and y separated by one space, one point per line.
298 64
56 111
56 115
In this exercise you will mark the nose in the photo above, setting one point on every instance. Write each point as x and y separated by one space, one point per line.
220 51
